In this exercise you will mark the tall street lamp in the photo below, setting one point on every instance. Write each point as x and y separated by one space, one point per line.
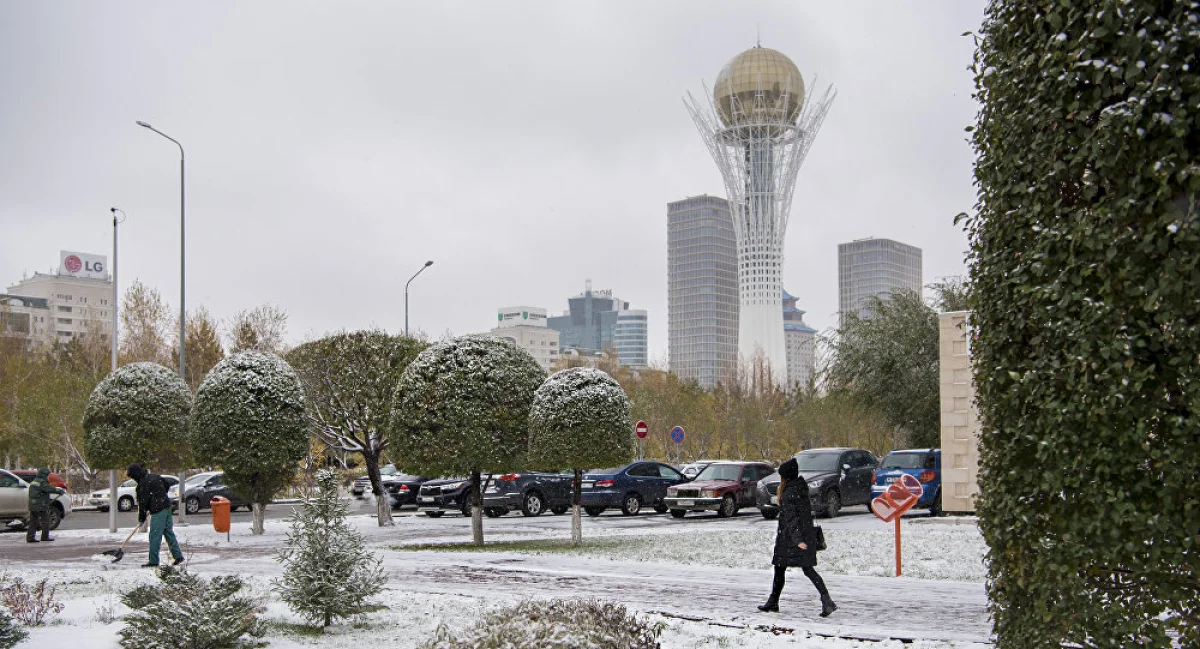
182 293
427 265
116 301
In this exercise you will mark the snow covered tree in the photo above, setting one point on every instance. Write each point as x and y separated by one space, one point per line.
579 419
1085 259
349 379
329 573
11 633
185 611
249 420
555 624
138 413
461 408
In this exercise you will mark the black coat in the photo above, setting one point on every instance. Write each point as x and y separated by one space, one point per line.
795 526
151 495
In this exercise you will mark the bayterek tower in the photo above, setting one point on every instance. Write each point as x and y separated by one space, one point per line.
758 125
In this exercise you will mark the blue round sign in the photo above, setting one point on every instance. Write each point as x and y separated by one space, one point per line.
677 434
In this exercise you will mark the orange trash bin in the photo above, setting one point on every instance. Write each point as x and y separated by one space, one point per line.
220 514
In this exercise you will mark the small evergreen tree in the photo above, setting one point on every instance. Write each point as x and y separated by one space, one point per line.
184 611
329 574
10 632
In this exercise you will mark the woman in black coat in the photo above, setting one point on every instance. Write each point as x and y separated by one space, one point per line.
793 541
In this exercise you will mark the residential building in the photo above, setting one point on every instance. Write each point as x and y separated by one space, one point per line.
875 267
960 417
702 290
800 340
78 296
26 317
526 327
590 325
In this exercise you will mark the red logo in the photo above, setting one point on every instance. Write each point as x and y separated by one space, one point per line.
73 264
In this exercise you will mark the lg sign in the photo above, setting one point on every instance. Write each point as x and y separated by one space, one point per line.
77 263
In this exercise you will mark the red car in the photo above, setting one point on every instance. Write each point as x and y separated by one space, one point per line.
29 474
723 487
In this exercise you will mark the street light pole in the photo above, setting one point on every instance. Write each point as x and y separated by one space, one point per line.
116 301
427 265
182 290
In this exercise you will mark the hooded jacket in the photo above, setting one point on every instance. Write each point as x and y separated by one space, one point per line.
151 491
40 492
795 521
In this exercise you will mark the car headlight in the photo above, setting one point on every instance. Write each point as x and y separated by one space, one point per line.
817 482
708 493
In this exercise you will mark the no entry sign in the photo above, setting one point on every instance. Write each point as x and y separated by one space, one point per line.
641 429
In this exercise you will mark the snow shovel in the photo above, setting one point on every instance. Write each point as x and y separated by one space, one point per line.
119 553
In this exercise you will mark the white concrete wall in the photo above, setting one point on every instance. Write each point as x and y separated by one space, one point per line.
960 419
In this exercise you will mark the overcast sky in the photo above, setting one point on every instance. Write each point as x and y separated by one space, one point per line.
524 147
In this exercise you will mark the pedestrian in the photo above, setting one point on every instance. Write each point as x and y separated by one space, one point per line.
153 502
795 540
40 492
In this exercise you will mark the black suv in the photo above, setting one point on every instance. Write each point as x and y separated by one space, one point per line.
532 493
402 489
448 495
837 477
202 487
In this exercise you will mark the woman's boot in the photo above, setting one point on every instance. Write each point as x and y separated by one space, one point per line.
772 605
827 606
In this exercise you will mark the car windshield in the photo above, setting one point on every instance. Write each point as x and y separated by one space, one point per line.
818 461
197 479
720 472
388 470
904 461
605 471
129 483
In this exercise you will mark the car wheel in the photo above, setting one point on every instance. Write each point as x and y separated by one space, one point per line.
728 507
193 505
532 504
770 514
124 504
56 516
661 509
494 512
833 503
935 509
103 510
593 511
678 513
560 510
632 505
434 514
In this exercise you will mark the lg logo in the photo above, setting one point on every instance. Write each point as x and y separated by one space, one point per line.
74 264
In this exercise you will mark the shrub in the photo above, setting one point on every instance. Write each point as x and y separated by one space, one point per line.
555 624
138 413
30 603
10 632
185 611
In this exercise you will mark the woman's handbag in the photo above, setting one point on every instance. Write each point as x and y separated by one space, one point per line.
818 538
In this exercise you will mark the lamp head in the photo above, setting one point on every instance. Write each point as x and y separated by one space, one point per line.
143 124
428 264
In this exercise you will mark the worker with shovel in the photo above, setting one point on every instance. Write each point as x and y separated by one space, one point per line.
40 492
153 502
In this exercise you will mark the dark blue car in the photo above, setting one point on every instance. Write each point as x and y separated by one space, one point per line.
631 487
924 464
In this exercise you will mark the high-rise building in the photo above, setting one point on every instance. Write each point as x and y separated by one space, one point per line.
590 325
875 267
702 289
801 344
759 126
526 327
77 298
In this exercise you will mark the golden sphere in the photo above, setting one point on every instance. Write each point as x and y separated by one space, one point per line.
759 68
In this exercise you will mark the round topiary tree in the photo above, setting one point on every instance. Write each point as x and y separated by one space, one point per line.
249 419
139 413
461 408
1085 258
580 419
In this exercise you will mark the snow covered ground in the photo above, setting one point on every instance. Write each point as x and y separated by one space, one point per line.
701 576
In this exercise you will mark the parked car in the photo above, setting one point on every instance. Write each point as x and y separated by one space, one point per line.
363 484
14 502
29 474
531 492
127 495
693 469
837 478
447 495
630 487
200 489
923 464
402 489
723 487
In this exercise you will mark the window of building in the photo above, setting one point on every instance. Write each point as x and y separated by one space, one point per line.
65 309
64 321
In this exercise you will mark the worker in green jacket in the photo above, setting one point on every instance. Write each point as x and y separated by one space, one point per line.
40 492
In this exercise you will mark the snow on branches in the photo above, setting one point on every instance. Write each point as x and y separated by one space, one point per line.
138 413
580 419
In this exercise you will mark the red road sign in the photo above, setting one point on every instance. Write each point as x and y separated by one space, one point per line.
641 429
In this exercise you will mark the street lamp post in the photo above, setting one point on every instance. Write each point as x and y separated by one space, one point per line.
427 265
116 301
182 288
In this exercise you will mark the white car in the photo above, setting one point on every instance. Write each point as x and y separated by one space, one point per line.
127 495
14 502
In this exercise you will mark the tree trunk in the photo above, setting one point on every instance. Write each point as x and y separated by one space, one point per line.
260 514
476 510
383 506
576 518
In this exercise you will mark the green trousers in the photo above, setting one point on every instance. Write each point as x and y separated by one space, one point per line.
161 525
